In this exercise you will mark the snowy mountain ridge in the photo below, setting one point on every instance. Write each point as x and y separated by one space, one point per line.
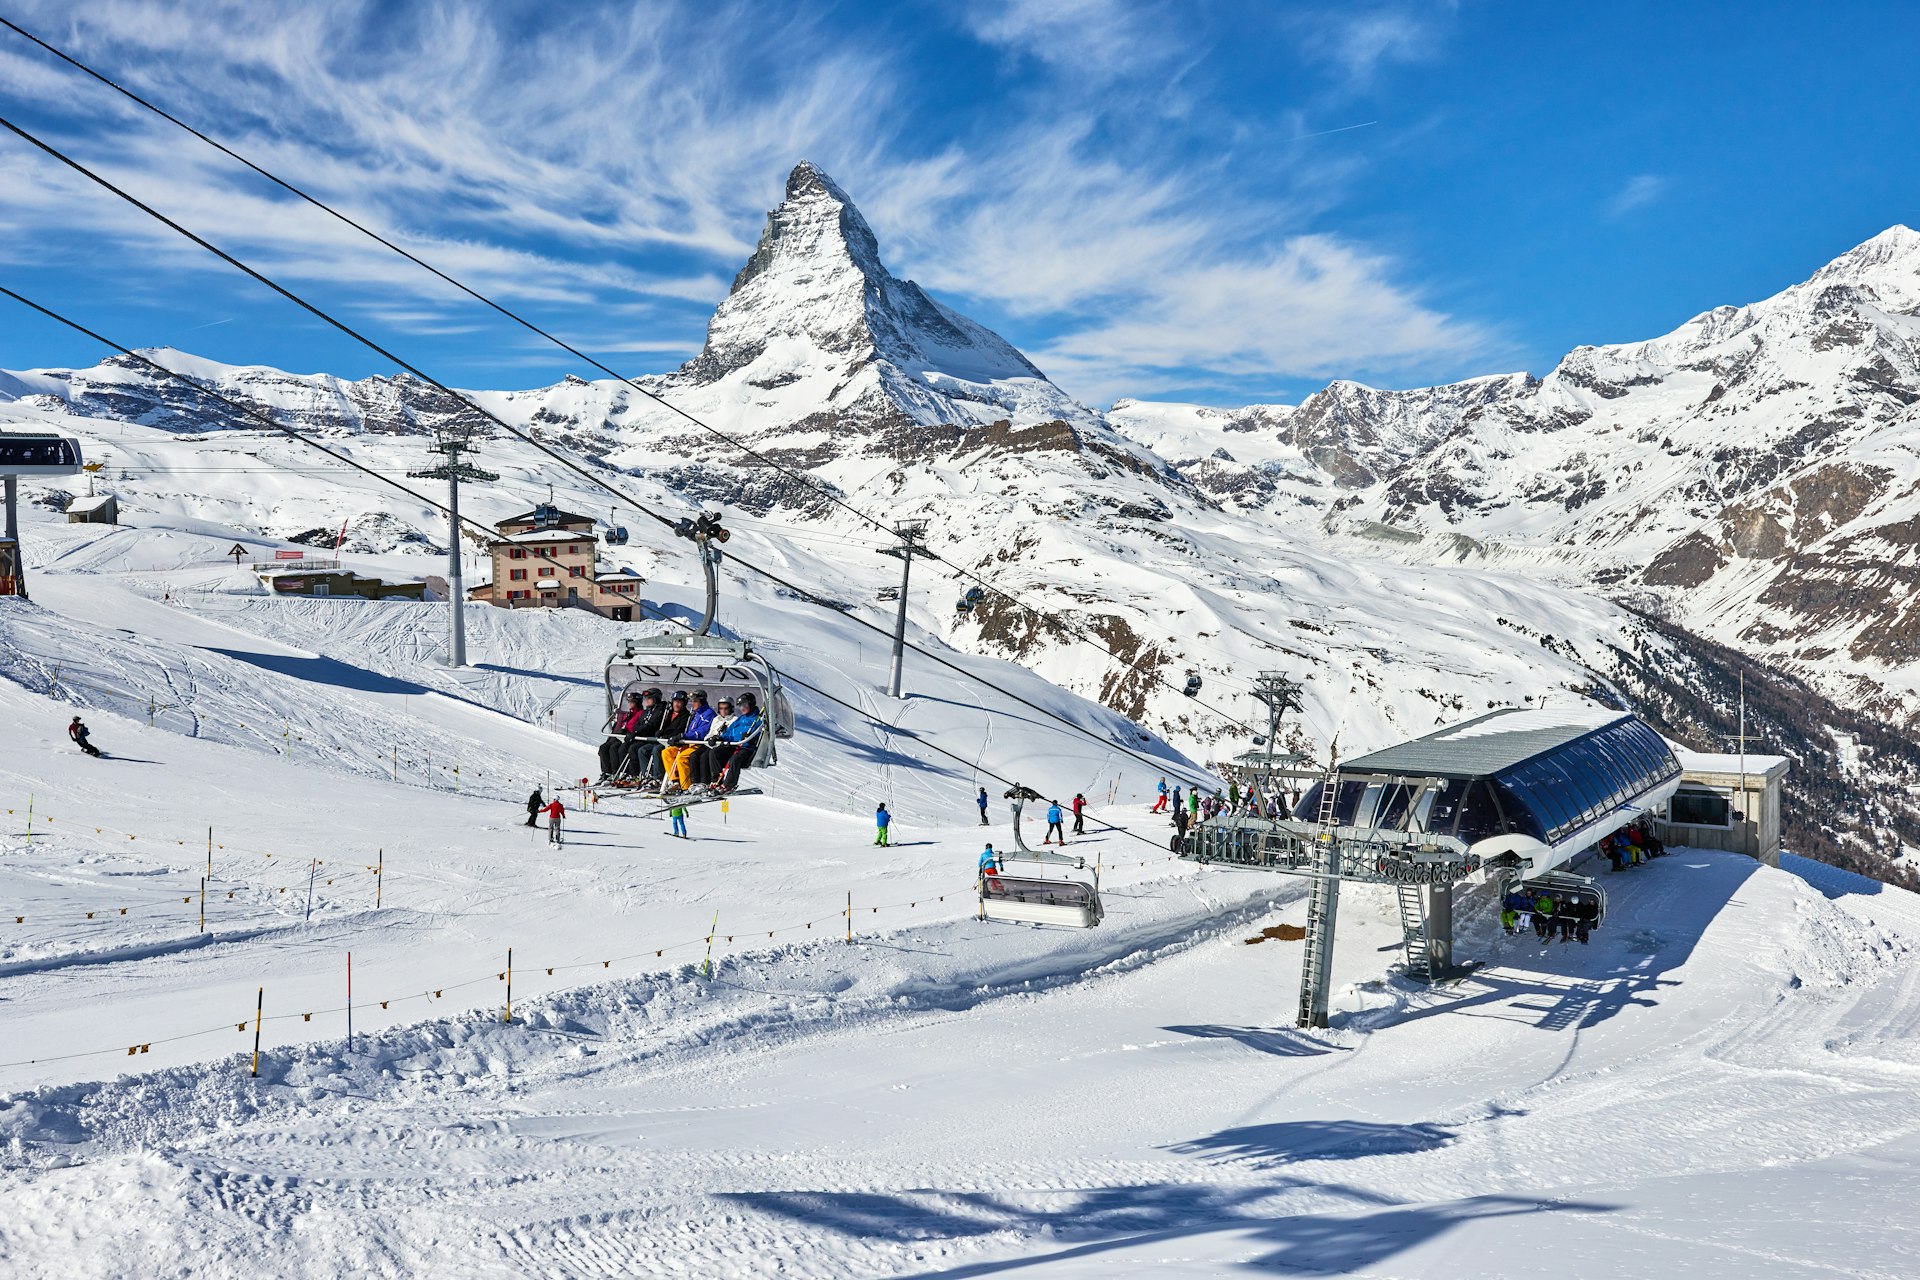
1753 474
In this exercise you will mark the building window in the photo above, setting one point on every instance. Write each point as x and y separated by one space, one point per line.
517 553
1695 807
577 571
517 575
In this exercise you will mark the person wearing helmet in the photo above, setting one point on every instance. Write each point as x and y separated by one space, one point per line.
738 744
676 757
78 732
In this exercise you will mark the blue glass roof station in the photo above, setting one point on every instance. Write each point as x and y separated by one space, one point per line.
1548 775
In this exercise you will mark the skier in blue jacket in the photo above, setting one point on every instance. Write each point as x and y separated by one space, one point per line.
881 821
1055 820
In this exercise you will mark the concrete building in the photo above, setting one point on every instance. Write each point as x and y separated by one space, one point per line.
94 509
550 559
1728 802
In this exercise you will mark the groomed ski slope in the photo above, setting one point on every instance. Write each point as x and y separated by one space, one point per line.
1721 1085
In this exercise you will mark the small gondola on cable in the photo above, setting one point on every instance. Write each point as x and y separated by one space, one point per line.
688 712
1036 899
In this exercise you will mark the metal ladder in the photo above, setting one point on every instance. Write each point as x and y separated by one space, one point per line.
1323 907
1413 933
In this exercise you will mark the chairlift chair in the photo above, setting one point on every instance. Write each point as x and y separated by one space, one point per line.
1565 886
1019 899
39 453
725 668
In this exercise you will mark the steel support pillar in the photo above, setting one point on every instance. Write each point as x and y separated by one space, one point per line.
1316 965
456 587
1439 929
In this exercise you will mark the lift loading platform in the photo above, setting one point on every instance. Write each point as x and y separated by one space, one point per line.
1519 792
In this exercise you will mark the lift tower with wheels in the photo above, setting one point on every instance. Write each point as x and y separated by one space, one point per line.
454 442
910 533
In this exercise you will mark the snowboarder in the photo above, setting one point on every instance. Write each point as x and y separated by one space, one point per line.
555 812
1079 814
881 821
535 803
989 863
679 815
1054 820
982 802
1160 805
78 732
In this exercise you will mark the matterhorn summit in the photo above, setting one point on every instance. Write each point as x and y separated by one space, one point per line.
816 329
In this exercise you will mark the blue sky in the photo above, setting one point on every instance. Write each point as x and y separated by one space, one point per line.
1219 202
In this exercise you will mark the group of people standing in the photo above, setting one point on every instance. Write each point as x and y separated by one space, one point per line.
679 744
1189 807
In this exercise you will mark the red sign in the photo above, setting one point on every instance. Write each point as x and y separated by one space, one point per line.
289 555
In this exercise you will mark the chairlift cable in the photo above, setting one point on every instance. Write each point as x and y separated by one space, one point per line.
523 436
758 456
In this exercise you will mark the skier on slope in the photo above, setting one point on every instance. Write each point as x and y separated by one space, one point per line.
1160 805
555 812
982 802
1055 819
535 803
1079 814
78 732
881 821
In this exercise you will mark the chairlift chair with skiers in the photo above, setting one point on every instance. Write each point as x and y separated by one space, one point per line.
725 668
1565 887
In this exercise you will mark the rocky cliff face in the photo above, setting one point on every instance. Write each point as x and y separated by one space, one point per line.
1754 474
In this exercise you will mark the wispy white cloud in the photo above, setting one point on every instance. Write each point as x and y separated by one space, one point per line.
609 166
1095 38
1641 190
1360 40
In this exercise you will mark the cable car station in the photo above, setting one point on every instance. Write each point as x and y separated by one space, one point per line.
1514 795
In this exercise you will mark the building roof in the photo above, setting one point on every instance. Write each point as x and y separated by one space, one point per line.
544 535
1488 744
94 503
1731 763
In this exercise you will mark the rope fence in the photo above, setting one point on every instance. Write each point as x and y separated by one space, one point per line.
432 995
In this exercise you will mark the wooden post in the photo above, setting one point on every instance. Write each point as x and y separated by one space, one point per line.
711 930
508 1015
203 904
349 999
380 879
396 764
259 1004
313 869
849 915
209 853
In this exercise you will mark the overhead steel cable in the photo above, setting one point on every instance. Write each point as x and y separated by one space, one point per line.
548 451
764 459
480 531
